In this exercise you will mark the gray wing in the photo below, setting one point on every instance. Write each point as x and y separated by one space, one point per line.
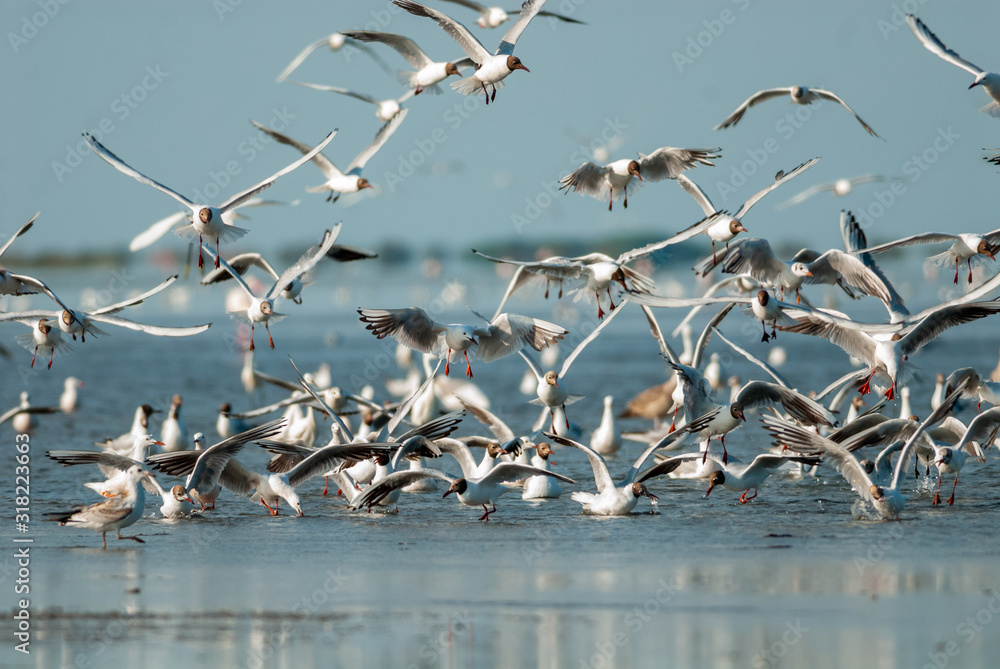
323 459
773 373
854 342
125 168
472 47
755 99
982 430
755 257
834 266
328 169
509 333
498 428
23 229
922 238
829 95
10 413
109 463
528 11
240 264
602 477
132 301
337 89
937 47
706 334
508 472
305 263
376 492
411 327
214 459
587 179
589 338
381 137
406 47
669 163
159 331
779 178
943 319
461 453
760 394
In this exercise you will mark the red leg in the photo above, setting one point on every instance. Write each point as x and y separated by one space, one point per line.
486 514
970 269
447 363
468 365
565 416
673 421
270 340
251 335
600 312
951 500
52 352
217 252
552 413
274 511
725 453
956 270
714 261
610 300
546 289
937 492
865 387
611 197
890 393
201 261
326 483
33 357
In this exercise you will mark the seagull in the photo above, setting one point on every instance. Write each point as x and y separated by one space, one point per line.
886 353
491 69
550 393
732 475
208 466
78 322
475 491
505 335
114 466
139 429
205 220
541 487
598 270
339 182
173 429
24 414
69 401
990 81
720 420
335 42
950 459
755 257
492 17
965 247
606 439
888 501
612 499
386 109
426 73
115 513
719 225
615 179
261 309
43 336
840 188
799 95
986 391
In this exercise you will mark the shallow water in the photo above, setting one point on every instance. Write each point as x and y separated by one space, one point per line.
796 578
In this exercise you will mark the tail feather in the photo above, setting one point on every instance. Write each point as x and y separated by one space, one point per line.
473 86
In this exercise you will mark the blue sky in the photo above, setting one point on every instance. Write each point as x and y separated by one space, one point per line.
172 86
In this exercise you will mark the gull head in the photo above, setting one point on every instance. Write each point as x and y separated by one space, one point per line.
180 494
735 227
800 269
514 63
43 326
266 308
363 183
716 479
945 458
736 411
986 249
763 297
451 68
205 215
619 276
633 169
876 492
867 465
798 92
639 490
496 450
458 486
552 378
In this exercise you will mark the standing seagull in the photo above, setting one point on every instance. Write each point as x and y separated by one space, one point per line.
112 514
800 95
205 219
339 182
615 179
990 81
490 69
507 334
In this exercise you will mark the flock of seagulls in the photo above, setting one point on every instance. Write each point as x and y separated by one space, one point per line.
376 451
